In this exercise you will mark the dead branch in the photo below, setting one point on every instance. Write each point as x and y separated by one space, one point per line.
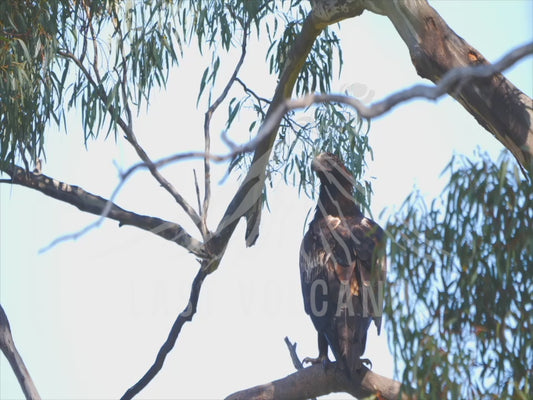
15 360
452 80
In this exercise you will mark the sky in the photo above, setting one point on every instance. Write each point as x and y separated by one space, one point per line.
89 316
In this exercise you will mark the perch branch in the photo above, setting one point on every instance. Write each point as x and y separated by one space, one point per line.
294 357
316 381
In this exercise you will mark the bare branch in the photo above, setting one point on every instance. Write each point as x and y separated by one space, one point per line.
185 316
107 209
131 138
15 360
207 122
93 204
455 77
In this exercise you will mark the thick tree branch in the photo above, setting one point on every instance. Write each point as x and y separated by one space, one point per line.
248 198
7 345
316 381
435 48
93 204
452 80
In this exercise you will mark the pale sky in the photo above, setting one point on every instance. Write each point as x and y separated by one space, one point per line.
88 317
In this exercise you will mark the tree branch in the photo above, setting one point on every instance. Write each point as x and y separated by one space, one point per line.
93 204
316 381
207 122
248 199
131 138
435 48
185 316
452 81
15 360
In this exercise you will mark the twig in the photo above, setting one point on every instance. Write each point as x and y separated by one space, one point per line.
251 92
94 40
124 80
294 357
197 188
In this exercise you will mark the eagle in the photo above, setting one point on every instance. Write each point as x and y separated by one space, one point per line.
342 268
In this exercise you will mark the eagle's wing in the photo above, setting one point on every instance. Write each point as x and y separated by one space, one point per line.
320 285
314 278
368 240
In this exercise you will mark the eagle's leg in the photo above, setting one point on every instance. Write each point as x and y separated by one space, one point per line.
322 353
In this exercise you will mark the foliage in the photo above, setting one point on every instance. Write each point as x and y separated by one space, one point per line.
28 39
330 127
460 310
105 57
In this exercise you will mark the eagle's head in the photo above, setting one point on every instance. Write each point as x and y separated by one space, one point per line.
331 171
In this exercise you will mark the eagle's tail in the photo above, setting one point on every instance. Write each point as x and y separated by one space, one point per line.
351 334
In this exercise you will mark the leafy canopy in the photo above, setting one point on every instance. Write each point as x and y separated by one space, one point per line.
459 304
103 58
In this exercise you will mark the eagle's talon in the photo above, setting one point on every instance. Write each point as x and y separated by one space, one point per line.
366 362
318 360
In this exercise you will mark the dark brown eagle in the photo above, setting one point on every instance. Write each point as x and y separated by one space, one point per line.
342 267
